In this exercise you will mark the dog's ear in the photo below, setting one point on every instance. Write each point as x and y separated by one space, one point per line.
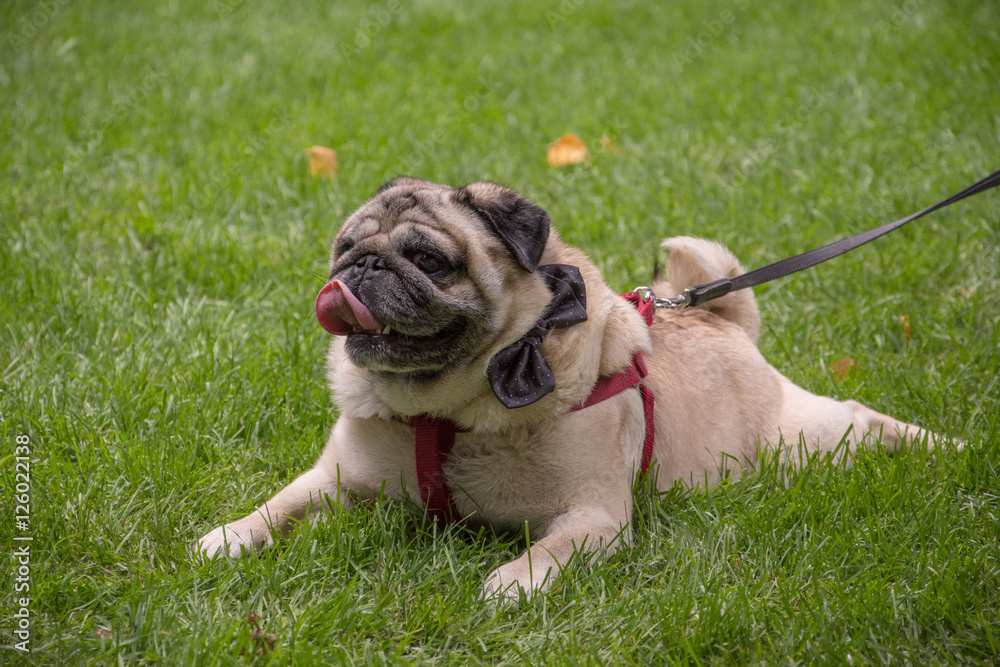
522 225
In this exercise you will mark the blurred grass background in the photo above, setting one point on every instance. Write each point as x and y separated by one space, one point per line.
161 243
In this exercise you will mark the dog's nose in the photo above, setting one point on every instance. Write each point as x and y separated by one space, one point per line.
371 262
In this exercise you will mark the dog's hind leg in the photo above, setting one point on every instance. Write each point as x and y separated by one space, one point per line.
892 433
823 424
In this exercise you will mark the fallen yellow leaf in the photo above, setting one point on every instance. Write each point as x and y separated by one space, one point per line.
569 149
323 162
905 321
842 367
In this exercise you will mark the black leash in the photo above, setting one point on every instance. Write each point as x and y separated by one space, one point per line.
699 294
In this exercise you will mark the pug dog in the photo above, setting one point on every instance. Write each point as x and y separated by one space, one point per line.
460 317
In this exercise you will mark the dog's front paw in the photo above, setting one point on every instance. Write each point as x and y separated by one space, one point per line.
507 582
235 539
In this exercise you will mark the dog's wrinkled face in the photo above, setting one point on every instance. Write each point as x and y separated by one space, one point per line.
415 271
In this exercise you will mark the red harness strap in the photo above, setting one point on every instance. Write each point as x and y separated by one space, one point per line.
434 437
612 385
432 442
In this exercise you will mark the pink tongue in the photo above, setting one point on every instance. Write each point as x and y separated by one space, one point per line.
340 312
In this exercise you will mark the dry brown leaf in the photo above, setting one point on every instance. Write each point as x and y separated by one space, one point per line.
323 162
609 145
842 367
569 149
905 321
264 641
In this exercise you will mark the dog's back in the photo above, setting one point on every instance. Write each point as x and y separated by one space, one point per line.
693 261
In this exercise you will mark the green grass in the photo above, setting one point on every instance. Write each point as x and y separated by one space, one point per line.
161 242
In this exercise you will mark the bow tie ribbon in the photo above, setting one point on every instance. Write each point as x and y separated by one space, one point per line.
518 373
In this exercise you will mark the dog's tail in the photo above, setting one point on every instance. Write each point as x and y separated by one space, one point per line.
693 261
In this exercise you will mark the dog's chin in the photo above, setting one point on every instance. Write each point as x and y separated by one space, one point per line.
400 353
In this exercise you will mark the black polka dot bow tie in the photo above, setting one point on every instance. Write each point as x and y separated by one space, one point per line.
518 373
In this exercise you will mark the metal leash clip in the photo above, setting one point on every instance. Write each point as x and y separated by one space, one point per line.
646 294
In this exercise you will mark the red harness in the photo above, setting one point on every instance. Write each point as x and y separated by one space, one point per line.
434 437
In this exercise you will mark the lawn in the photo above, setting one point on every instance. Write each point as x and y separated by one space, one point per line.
162 241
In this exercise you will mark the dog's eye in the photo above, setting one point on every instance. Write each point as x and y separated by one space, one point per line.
344 247
427 262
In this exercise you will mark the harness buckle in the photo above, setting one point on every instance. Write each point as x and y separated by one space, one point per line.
646 294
